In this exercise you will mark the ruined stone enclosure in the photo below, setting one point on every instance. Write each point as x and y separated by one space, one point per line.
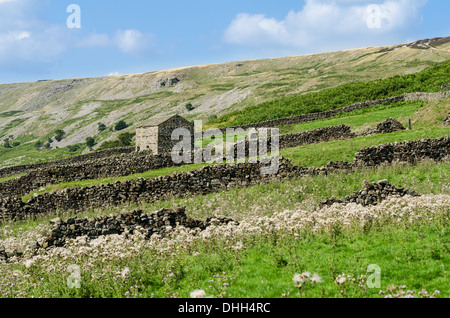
155 135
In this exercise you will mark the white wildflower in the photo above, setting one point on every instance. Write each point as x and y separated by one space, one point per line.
28 263
341 279
316 279
298 279
125 272
198 293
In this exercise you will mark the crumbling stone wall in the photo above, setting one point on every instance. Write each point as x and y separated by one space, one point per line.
199 182
159 222
316 136
303 138
91 169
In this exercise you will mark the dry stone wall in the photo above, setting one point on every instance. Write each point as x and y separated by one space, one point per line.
316 136
159 222
199 182
304 138
410 151
316 116
132 163
426 97
122 165
208 180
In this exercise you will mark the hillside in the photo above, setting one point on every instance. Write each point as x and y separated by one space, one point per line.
358 188
35 111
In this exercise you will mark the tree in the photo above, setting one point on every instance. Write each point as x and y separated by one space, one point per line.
38 145
121 125
6 144
125 139
90 142
190 107
59 135
73 148
101 127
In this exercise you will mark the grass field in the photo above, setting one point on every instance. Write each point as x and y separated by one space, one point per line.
428 80
427 118
284 245
12 177
279 236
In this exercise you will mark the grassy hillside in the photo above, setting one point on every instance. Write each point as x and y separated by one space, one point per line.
281 233
429 80
278 238
426 121
424 126
31 112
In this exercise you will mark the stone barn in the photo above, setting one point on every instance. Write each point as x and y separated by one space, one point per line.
156 133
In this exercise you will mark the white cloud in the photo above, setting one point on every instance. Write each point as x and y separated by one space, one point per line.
24 38
327 24
133 41
28 41
130 41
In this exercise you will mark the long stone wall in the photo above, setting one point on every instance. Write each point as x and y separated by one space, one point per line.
426 97
410 151
159 222
303 138
122 165
208 180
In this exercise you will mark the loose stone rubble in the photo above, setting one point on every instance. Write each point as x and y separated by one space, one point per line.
371 194
390 125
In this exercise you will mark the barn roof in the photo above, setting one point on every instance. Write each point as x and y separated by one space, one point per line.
156 121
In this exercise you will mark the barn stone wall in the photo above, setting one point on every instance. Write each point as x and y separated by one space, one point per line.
147 139
165 142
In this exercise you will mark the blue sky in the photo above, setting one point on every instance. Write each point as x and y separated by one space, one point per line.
136 36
